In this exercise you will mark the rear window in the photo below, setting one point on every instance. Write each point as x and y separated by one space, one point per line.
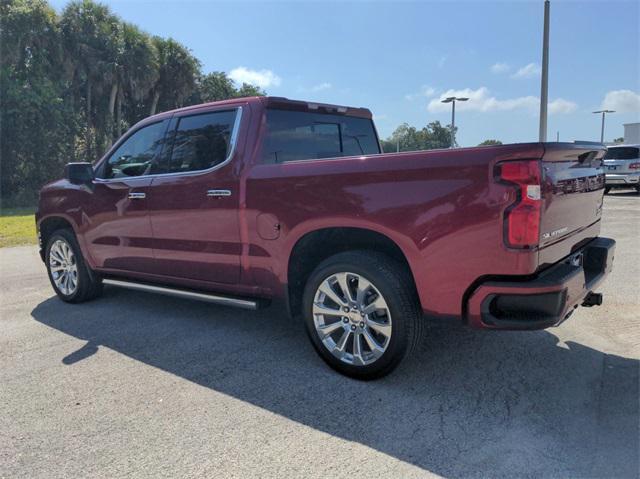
201 141
294 135
622 153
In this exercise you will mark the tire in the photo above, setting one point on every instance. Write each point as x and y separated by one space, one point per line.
398 314
607 189
63 256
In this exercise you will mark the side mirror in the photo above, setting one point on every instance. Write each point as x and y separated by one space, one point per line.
79 173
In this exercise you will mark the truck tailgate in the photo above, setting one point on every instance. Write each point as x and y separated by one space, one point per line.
572 195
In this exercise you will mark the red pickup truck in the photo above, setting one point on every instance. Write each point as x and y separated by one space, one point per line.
253 200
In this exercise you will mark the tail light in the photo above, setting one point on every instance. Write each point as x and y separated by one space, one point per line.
635 166
522 219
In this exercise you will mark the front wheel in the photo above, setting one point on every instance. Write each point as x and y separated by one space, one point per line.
607 189
71 278
362 313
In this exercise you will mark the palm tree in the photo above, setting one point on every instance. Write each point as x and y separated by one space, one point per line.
91 35
177 73
135 73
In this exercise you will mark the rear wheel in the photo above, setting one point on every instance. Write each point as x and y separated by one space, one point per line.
362 313
71 278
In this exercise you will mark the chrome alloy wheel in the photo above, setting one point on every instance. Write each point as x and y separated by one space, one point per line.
63 266
352 318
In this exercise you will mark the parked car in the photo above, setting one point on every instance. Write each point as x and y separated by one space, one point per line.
622 167
248 201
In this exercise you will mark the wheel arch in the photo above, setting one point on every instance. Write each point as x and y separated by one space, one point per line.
314 246
49 225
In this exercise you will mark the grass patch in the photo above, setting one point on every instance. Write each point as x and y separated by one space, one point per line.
17 227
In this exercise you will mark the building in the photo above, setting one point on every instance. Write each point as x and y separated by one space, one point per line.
632 133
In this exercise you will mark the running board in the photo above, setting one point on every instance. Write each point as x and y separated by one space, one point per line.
184 293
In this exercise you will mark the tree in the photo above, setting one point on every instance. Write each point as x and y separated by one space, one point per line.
177 74
138 73
218 86
618 140
490 143
409 138
71 83
92 39
36 126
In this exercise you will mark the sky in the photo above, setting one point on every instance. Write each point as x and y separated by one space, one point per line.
400 58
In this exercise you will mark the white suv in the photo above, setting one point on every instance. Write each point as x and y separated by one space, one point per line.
622 167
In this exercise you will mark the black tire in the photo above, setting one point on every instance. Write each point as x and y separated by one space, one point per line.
638 189
607 189
396 286
88 285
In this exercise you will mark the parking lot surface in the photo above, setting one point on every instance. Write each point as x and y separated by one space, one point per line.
139 385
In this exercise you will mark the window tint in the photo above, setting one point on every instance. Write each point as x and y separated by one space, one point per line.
294 135
137 155
201 141
622 153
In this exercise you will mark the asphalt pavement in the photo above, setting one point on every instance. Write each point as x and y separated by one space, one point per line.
141 385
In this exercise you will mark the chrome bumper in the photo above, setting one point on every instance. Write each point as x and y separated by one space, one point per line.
622 179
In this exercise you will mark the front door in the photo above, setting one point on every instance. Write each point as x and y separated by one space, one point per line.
194 206
118 230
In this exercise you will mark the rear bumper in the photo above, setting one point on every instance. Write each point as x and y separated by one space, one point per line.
546 299
631 179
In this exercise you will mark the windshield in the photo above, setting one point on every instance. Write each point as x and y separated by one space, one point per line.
622 153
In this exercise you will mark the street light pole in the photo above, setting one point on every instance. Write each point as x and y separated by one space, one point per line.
452 100
604 112
544 83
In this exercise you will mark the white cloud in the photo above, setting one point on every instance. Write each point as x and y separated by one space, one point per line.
560 105
261 78
425 92
500 68
321 86
622 101
482 100
528 71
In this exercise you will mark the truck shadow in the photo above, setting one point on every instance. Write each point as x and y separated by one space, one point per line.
468 404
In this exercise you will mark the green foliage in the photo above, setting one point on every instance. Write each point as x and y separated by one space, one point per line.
409 138
618 140
490 143
70 84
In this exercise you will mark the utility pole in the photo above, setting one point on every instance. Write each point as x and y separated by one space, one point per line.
604 112
452 100
544 84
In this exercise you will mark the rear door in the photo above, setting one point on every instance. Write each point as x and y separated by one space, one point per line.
194 205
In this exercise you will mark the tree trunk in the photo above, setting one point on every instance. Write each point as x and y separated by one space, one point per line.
88 133
118 115
111 128
112 98
154 102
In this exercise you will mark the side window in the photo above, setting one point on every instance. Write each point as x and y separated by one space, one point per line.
137 155
294 135
202 141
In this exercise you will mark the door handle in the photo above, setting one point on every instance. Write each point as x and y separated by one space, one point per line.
218 193
137 196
